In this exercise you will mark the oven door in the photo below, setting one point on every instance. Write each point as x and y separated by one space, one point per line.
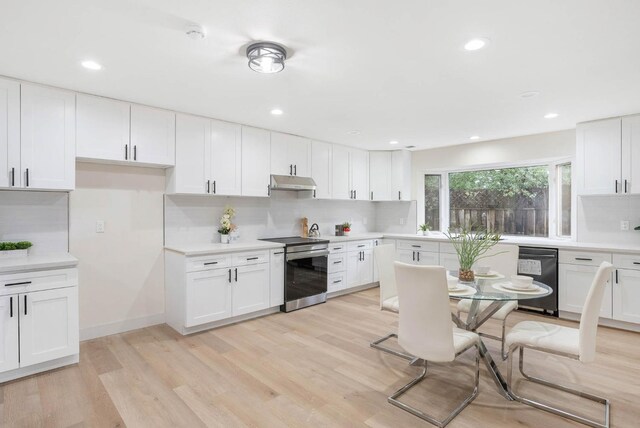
305 279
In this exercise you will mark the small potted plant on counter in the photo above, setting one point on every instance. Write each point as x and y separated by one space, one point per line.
346 228
226 227
14 249
470 247
423 229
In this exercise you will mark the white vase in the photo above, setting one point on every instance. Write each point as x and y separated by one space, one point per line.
12 254
224 238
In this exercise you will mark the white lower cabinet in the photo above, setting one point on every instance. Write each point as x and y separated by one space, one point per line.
9 353
422 258
574 282
626 296
336 282
276 283
359 267
250 289
208 296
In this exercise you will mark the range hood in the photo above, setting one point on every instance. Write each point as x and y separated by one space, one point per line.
292 182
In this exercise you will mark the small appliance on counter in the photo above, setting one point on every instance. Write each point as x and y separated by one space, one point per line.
314 231
339 230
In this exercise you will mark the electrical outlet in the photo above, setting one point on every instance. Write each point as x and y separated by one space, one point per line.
624 225
100 226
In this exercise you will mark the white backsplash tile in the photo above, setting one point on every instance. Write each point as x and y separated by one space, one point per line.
599 219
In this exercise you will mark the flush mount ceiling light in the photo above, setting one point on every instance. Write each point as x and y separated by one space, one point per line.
393 142
474 137
276 112
195 31
266 57
529 94
91 65
551 115
476 44
354 132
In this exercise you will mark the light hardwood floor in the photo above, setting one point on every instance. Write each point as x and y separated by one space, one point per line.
308 368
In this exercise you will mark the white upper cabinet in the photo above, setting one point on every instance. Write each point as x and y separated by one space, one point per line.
380 172
321 169
401 175
256 154
226 158
153 136
193 147
631 155
341 178
102 128
47 145
599 154
290 155
360 174
10 134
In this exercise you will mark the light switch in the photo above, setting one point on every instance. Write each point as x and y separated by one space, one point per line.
624 225
100 226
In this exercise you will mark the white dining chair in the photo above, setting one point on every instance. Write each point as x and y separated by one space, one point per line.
384 256
502 258
426 330
577 343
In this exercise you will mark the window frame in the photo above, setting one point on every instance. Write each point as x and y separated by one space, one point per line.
552 167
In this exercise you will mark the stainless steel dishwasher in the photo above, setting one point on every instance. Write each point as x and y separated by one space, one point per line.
542 265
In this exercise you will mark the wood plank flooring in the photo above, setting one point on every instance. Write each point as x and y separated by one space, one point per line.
310 368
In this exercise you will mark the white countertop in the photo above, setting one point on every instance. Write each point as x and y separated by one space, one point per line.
29 263
201 249
355 237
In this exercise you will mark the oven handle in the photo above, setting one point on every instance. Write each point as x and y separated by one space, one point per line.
307 254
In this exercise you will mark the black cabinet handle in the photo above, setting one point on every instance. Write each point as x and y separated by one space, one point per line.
625 185
13 177
337 248
211 263
616 188
236 274
416 246
18 283
399 195
414 255
252 258
135 152
280 252
126 152
295 170
617 276
27 175
229 275
337 281
314 193
418 252
11 306
214 187
290 169
584 259
355 194
268 190
361 246
208 187
25 304
337 262
636 263
372 195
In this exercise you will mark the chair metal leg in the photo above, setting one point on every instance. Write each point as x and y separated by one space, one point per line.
503 353
546 407
376 345
393 399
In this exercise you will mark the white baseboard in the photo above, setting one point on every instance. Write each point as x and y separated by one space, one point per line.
38 368
120 326
352 290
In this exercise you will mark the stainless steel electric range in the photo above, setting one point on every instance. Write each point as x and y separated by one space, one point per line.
305 271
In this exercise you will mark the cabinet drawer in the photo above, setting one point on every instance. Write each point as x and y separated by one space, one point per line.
337 248
626 261
418 246
337 262
250 258
336 281
447 248
587 258
37 281
213 261
359 245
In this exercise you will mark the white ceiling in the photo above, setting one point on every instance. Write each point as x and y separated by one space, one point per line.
394 70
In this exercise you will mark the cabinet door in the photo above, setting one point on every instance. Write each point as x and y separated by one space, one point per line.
193 155
280 162
598 157
10 134
401 175
299 154
426 258
336 282
366 267
407 256
49 326
380 176
360 174
631 155
102 128
340 177
9 333
276 295
226 158
321 168
153 136
208 296
353 268
449 261
256 154
626 296
573 286
48 129
250 289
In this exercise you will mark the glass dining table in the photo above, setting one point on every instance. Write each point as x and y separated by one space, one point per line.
497 290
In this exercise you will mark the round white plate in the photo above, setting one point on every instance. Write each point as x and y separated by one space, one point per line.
492 274
458 287
509 288
466 291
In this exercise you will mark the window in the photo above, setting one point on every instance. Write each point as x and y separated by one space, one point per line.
432 201
563 172
510 201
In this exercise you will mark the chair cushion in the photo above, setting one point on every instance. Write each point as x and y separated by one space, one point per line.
464 305
462 339
391 304
544 335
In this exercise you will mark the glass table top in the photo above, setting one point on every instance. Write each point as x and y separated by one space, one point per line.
496 288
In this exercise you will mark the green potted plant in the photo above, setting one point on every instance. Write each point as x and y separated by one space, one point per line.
14 249
346 228
226 227
423 229
471 247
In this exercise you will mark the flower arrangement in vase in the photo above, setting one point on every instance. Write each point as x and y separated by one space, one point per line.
226 227
471 247
346 228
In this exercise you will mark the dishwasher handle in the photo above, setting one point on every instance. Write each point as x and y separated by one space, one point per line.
538 256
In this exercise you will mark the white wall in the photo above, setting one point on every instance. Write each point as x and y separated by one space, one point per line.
39 217
121 270
599 219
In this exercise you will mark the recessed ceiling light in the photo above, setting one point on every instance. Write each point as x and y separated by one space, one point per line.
393 142
354 132
266 57
551 115
91 65
276 112
476 44
474 137
529 94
